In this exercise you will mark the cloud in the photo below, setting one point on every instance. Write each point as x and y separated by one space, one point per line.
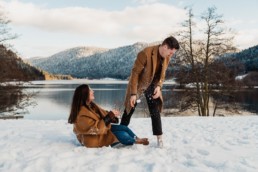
142 22
246 34
146 1
246 38
67 27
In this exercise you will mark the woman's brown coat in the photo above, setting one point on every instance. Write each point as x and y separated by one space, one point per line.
143 73
90 128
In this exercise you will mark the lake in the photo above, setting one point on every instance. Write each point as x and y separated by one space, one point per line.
54 97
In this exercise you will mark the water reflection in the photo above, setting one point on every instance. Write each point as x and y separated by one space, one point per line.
248 99
53 100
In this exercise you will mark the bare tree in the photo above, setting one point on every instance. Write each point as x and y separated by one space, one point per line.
199 62
5 30
14 72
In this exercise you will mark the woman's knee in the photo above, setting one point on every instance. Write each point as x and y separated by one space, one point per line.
119 128
124 138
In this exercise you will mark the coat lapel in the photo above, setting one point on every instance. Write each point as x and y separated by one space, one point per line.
154 59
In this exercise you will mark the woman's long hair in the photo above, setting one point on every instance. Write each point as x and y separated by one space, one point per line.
80 97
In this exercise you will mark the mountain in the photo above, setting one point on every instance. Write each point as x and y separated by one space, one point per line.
249 57
92 62
62 59
14 68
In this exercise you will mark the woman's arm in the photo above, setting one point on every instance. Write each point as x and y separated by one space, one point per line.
110 118
87 125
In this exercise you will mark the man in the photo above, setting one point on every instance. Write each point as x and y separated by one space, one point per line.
147 77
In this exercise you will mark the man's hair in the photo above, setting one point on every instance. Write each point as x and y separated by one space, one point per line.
171 42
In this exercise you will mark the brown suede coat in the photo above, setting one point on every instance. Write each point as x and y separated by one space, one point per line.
91 130
143 73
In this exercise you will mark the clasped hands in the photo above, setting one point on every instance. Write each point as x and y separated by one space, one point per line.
156 94
116 112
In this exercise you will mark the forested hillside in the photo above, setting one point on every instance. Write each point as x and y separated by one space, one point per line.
13 68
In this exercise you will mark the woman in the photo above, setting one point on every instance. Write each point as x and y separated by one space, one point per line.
92 124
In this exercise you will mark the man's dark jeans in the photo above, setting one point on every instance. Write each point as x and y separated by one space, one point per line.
153 109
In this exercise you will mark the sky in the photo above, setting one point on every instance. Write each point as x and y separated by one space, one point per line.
191 144
48 27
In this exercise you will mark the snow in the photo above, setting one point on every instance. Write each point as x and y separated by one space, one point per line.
240 77
190 144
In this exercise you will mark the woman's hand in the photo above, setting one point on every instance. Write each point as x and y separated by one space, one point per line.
116 112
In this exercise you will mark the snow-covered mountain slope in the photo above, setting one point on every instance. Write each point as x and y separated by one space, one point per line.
55 63
92 62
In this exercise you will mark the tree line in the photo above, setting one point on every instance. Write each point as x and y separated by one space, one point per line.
207 79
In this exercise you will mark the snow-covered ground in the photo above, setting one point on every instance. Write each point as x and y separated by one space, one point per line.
203 144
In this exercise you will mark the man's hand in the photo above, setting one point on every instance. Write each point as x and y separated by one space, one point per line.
132 100
157 93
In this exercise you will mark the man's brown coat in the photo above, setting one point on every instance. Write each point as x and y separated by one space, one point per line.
143 73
